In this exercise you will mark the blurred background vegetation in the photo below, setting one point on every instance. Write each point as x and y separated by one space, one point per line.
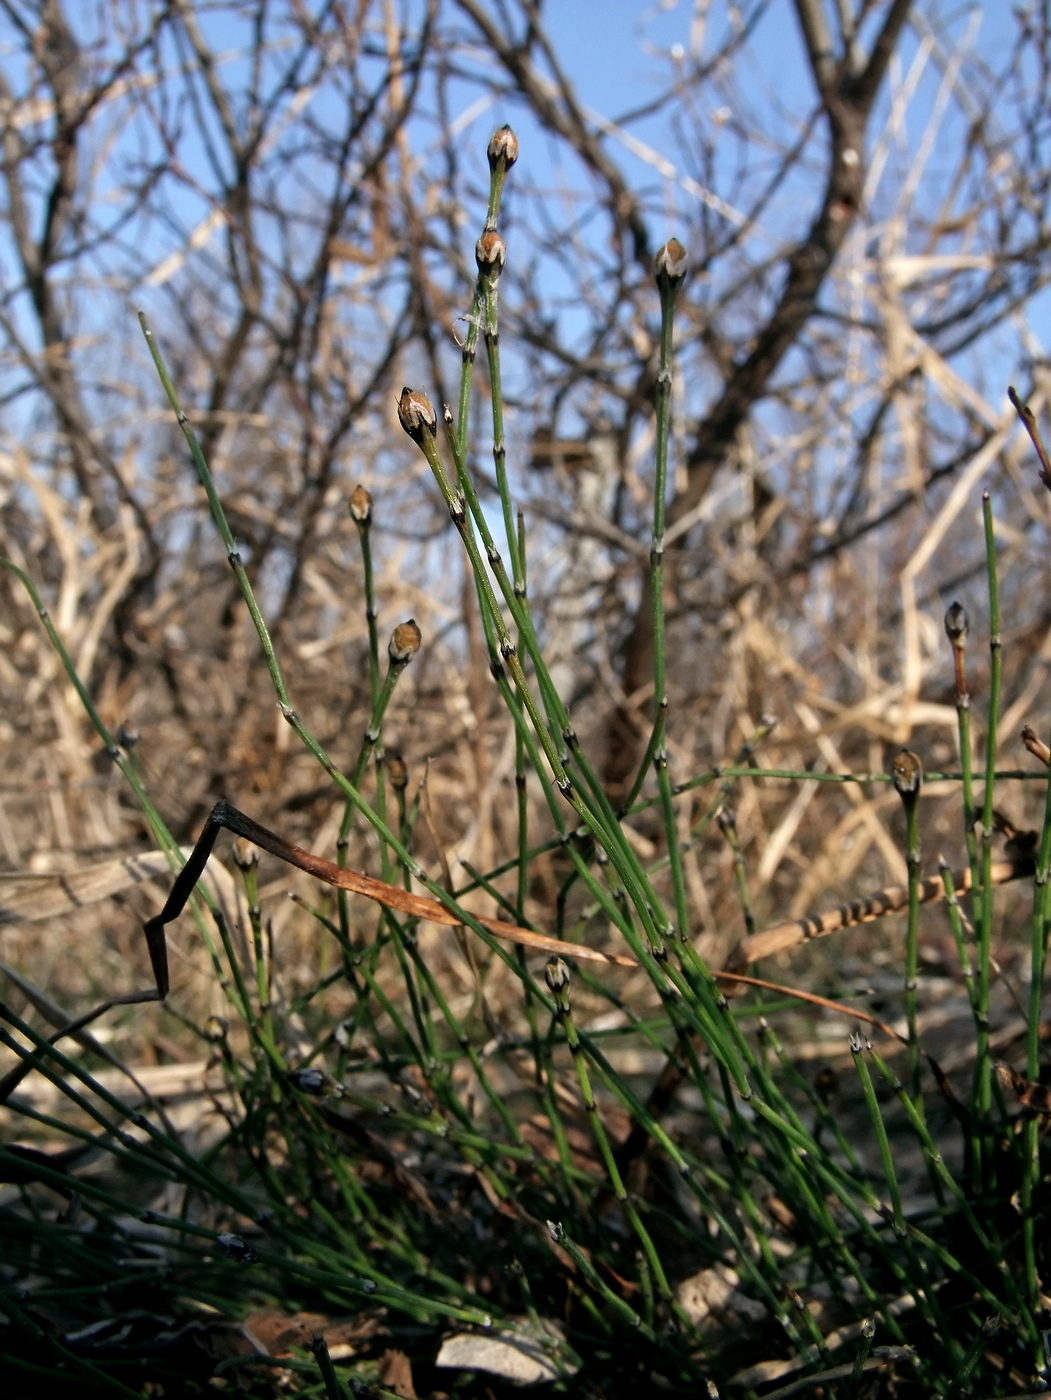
292 193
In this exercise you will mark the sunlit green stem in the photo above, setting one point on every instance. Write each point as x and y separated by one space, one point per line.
398 660
670 274
908 778
492 346
1041 924
957 627
984 912
503 152
464 508
520 771
508 653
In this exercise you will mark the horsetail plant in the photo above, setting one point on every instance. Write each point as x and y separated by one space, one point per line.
392 1151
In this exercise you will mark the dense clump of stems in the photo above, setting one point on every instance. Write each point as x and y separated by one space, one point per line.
330 1183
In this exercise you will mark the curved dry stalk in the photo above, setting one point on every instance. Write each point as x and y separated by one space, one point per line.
890 900
390 896
839 1007
1035 745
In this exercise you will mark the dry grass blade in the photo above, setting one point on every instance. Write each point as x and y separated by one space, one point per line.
31 898
839 1007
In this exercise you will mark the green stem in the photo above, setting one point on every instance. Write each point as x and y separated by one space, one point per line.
1041 924
670 274
503 152
615 1301
334 1388
492 347
880 1129
984 912
557 974
908 778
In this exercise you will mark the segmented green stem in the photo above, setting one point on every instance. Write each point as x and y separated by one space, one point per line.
503 152
868 1331
986 1235
670 274
959 1384
1041 925
957 627
361 514
984 912
520 771
727 819
880 1129
492 347
558 983
584 1264
908 777
703 998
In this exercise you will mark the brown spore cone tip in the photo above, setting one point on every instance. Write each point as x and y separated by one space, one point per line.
556 974
404 642
957 623
416 415
361 505
907 772
503 148
671 263
490 251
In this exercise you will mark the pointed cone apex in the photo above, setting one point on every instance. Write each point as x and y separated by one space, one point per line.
490 251
361 505
957 624
670 264
556 973
503 148
404 642
907 772
416 415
